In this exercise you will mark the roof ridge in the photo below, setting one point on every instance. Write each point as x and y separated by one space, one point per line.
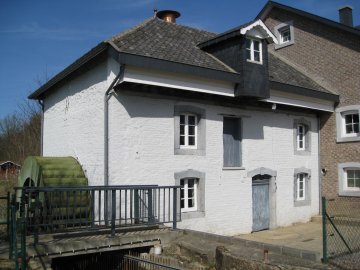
304 72
130 30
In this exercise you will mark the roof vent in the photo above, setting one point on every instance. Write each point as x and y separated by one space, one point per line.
345 15
168 15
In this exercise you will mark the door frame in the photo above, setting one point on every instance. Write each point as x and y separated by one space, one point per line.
272 192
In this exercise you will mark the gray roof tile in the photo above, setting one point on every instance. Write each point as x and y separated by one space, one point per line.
168 41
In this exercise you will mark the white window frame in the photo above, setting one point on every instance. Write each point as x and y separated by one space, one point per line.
344 190
185 188
301 178
279 30
346 186
344 124
252 50
300 137
281 34
186 131
341 134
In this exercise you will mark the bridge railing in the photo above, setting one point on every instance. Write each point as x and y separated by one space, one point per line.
65 209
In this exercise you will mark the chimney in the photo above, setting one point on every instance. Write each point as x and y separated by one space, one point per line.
168 15
345 15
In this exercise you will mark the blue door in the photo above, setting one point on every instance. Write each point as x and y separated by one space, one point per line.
260 199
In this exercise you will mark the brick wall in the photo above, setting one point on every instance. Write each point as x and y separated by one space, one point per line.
332 58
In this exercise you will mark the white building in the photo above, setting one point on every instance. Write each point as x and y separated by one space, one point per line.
167 104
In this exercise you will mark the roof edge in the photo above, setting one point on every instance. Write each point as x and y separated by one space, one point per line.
303 91
271 4
80 62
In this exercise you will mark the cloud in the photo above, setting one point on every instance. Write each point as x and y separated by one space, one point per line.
34 30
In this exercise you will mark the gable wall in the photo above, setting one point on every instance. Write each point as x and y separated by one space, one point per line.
331 57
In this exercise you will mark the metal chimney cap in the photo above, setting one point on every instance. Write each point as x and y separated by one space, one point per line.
168 15
345 7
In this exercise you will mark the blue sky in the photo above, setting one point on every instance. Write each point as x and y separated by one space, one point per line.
39 38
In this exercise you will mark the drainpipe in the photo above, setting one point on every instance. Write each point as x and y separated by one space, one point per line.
41 102
107 97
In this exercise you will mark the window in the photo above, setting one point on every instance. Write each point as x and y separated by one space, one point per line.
232 142
352 177
188 126
188 194
347 123
192 193
302 194
302 137
349 179
189 130
253 50
351 123
284 33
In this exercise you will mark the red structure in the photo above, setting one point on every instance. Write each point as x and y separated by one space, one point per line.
8 167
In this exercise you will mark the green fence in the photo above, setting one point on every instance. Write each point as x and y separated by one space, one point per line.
341 232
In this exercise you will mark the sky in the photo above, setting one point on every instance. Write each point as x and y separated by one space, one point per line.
39 38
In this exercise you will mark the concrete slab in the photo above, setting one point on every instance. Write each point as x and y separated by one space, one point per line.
304 237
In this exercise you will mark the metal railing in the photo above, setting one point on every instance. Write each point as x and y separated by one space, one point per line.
341 231
47 210
59 209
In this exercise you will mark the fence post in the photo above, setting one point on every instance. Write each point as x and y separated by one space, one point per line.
8 209
113 211
174 208
136 206
324 232
23 243
150 206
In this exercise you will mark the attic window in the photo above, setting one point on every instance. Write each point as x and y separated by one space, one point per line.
284 33
253 50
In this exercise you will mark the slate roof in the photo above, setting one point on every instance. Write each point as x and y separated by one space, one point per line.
281 72
168 41
157 39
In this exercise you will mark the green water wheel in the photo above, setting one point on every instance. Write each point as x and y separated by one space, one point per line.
56 209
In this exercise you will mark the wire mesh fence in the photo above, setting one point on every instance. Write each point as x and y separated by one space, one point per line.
342 232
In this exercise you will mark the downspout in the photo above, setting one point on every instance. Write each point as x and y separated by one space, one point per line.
108 94
319 165
41 102
107 97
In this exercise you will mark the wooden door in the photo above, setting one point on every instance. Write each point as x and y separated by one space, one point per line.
260 199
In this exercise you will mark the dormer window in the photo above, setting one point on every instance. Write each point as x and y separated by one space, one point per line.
253 50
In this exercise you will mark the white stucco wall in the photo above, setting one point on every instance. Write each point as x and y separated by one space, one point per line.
141 144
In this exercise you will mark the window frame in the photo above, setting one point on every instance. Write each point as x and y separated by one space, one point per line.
301 137
344 190
306 150
279 29
341 135
185 189
199 148
200 199
252 50
281 34
186 131
304 200
301 179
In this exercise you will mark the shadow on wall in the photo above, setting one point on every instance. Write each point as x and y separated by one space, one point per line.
163 107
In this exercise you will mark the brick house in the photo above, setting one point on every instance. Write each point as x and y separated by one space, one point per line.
232 123
329 53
